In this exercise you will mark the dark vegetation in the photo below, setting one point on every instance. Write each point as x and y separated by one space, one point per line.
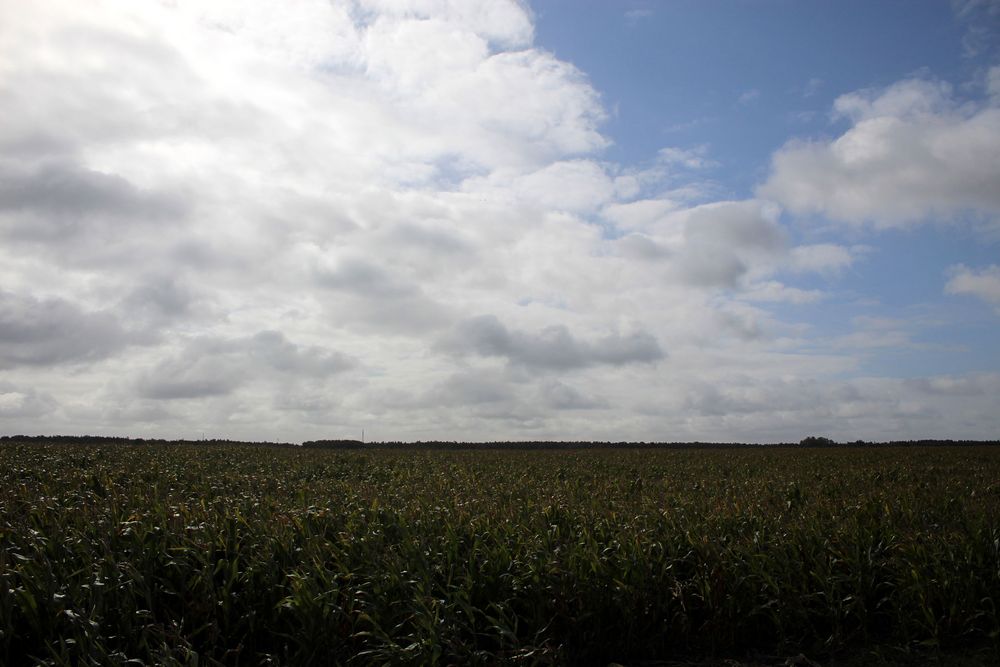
125 553
572 445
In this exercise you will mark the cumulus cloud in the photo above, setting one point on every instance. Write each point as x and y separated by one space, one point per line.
560 396
551 348
720 245
57 191
912 153
160 300
23 402
983 283
639 214
641 247
366 279
283 222
574 185
368 296
722 242
216 366
46 331
471 389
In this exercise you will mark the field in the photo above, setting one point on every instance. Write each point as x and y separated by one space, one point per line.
126 554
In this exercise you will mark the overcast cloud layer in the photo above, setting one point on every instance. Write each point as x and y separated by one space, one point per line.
296 220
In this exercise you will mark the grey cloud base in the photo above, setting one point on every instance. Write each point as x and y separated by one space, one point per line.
217 367
551 349
50 331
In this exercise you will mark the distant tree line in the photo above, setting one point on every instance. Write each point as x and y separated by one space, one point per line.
333 444
811 442
108 439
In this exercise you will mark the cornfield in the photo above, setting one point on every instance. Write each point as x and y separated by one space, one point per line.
205 555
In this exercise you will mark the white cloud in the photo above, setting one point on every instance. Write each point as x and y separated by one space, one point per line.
983 283
912 154
286 223
552 348
507 23
634 15
977 384
568 185
723 242
638 214
23 403
820 258
993 84
48 331
217 367
863 408
689 158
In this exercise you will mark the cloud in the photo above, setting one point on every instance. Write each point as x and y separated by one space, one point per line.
977 384
638 214
490 398
552 348
689 158
737 246
723 241
456 93
912 154
573 185
372 297
24 403
47 331
54 200
821 258
846 409
774 291
981 18
190 378
633 16
993 84
209 366
813 86
475 389
867 340
288 223
62 189
983 283
361 277
748 97
560 396
507 23
160 300
641 247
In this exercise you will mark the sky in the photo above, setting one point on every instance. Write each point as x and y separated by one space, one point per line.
751 220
